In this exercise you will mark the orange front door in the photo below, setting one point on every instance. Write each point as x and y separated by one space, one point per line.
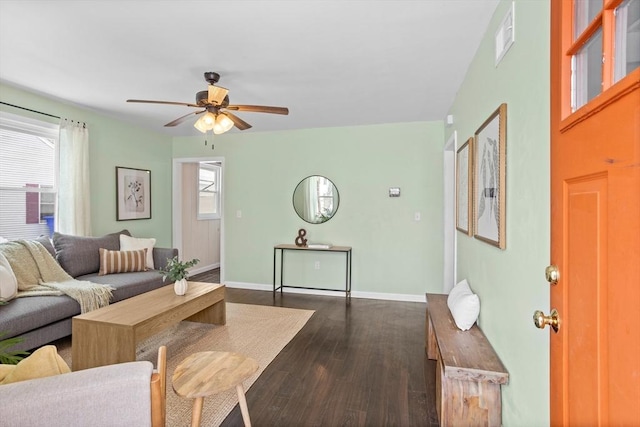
595 225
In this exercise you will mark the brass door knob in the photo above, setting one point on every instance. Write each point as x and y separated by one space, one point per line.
553 319
552 274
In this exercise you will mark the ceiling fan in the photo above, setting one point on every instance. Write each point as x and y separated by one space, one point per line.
215 105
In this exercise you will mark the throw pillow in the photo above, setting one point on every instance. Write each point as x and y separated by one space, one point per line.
46 242
44 362
5 370
128 243
80 255
122 261
8 281
464 305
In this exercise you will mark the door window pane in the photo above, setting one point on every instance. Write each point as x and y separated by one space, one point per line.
585 12
627 38
587 71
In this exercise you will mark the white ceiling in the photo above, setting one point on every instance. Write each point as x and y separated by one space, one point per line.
332 63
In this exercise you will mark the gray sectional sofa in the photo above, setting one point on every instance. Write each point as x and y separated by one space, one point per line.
42 319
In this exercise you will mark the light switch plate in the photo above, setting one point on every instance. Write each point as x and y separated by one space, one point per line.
394 192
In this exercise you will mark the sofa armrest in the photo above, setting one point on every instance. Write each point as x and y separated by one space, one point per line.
114 395
160 256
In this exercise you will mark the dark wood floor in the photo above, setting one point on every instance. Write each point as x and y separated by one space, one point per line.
361 364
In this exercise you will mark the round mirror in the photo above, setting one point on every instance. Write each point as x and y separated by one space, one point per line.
316 199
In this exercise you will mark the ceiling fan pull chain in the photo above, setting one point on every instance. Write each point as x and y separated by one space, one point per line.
205 140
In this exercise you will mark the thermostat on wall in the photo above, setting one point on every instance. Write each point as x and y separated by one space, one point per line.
394 192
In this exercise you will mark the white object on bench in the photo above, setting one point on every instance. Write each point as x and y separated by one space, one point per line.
469 373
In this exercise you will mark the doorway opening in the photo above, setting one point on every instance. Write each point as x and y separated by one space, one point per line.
198 212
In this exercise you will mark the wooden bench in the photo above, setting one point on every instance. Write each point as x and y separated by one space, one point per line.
469 373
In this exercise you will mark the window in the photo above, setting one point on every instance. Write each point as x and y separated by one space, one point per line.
209 190
28 191
605 46
627 38
588 70
40 206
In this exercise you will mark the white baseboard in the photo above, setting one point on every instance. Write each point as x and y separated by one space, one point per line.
354 294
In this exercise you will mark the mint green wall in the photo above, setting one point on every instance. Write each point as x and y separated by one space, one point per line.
511 283
392 253
112 143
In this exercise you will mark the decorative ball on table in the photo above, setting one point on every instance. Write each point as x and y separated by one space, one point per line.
176 271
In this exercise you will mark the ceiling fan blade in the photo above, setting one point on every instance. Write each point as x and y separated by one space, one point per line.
216 94
181 119
237 121
144 101
259 109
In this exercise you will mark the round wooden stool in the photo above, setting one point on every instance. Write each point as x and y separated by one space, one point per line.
210 372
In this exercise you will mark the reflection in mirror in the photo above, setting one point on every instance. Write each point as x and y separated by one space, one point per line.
316 199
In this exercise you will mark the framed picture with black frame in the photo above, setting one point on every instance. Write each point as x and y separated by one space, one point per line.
489 205
133 193
464 187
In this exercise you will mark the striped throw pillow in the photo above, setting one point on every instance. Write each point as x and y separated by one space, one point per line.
122 261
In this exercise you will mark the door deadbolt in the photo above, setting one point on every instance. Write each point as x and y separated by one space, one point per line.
552 274
553 319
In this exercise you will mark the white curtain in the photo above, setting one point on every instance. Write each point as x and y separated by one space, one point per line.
74 204
311 199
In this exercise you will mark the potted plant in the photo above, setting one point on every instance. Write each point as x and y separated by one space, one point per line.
176 271
8 357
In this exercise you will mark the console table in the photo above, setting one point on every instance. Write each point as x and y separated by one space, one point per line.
289 247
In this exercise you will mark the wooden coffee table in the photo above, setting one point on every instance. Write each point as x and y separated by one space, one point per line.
110 334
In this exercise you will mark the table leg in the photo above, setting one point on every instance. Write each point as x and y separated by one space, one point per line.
90 339
197 411
281 270
242 401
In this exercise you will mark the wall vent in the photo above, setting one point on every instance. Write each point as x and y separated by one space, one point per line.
505 35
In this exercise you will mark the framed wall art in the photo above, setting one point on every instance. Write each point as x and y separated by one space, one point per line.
464 187
133 193
489 205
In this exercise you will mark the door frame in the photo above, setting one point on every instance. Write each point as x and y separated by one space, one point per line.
176 204
450 235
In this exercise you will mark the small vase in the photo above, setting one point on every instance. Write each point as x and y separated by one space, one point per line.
180 287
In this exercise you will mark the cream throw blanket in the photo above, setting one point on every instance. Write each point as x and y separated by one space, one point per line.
38 274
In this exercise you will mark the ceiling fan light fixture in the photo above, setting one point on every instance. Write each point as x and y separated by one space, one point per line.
206 122
223 124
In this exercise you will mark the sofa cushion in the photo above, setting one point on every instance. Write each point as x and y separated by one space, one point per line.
127 285
81 255
22 315
128 243
44 362
122 261
46 242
